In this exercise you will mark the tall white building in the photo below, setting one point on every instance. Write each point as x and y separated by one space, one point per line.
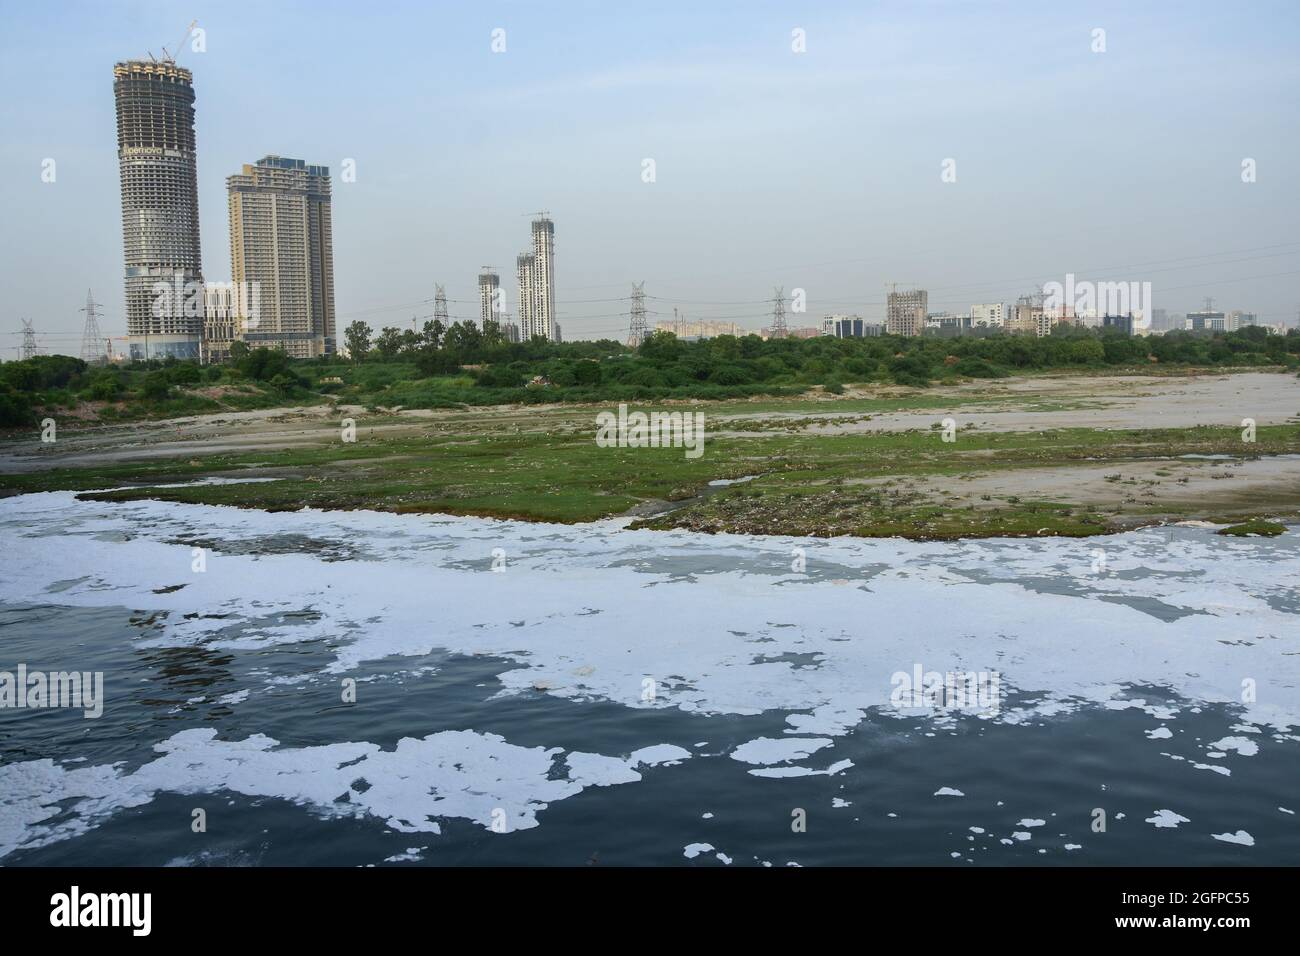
544 277
536 273
525 273
988 315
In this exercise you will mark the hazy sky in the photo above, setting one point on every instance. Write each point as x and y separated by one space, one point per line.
818 170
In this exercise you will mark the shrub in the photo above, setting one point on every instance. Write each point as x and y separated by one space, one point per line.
978 368
156 387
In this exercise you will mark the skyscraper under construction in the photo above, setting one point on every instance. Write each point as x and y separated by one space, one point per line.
160 208
489 297
536 274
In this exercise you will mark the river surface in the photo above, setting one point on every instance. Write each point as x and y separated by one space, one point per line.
356 688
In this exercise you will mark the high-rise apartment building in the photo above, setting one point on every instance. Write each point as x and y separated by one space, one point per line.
905 312
536 274
489 297
526 274
544 318
282 255
160 208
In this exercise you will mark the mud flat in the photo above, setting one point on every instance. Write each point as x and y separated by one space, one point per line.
1231 486
1041 403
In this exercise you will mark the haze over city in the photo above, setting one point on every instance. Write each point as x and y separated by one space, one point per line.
819 170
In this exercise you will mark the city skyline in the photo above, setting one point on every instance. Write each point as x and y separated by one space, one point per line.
780 191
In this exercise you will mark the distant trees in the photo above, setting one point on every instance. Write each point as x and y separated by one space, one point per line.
660 346
465 339
356 338
388 343
263 365
433 333
663 366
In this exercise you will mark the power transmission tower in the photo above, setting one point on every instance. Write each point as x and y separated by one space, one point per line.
440 305
778 314
29 340
92 346
637 332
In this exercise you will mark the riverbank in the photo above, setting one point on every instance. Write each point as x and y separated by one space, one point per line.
1046 455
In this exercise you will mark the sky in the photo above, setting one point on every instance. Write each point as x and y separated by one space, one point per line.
820 170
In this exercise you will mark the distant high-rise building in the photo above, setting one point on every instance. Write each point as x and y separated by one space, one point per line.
1205 321
1239 320
905 312
536 274
489 297
988 315
543 286
160 208
526 273
282 246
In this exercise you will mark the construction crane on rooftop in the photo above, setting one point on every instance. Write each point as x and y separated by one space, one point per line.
171 57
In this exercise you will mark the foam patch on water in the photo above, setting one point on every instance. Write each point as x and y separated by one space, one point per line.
718 623
455 774
574 609
768 750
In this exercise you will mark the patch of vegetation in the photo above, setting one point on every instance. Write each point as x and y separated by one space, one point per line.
859 484
1255 526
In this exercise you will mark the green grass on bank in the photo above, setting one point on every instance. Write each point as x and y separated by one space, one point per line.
804 484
